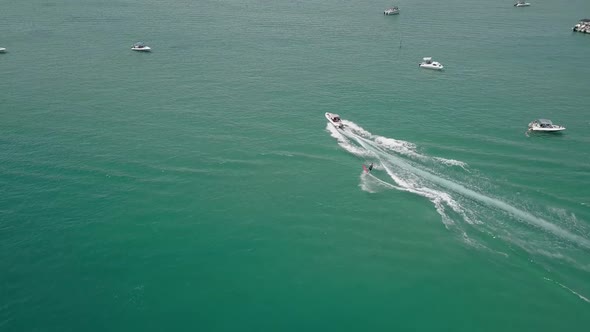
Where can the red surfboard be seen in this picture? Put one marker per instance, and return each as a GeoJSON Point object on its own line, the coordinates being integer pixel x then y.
{"type": "Point", "coordinates": [365, 168]}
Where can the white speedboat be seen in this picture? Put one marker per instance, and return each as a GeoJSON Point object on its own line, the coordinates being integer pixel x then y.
{"type": "Point", "coordinates": [335, 120]}
{"type": "Point", "coordinates": [2, 50]}
{"type": "Point", "coordinates": [583, 26]}
{"type": "Point", "coordinates": [429, 64]}
{"type": "Point", "coordinates": [391, 11]}
{"type": "Point", "coordinates": [141, 47]}
{"type": "Point", "coordinates": [522, 4]}
{"type": "Point", "coordinates": [545, 125]}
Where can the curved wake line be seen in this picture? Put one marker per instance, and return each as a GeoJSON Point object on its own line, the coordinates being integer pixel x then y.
{"type": "Point", "coordinates": [582, 297]}
{"type": "Point", "coordinates": [552, 236]}
{"type": "Point", "coordinates": [399, 146]}
{"type": "Point", "coordinates": [385, 183]}
{"type": "Point", "coordinates": [436, 197]}
{"type": "Point", "coordinates": [523, 215]}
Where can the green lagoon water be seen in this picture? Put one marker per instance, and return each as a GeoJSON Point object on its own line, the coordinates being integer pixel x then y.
{"type": "Point", "coordinates": [199, 187]}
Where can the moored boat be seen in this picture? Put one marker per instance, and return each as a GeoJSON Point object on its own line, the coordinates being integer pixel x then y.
{"type": "Point", "coordinates": [521, 4]}
{"type": "Point", "coordinates": [545, 126]}
{"type": "Point", "coordinates": [429, 64]}
{"type": "Point", "coordinates": [391, 11]}
{"type": "Point", "coordinates": [141, 47]}
{"type": "Point", "coordinates": [583, 26]}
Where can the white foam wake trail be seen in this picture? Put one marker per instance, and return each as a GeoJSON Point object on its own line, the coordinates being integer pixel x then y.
{"type": "Point", "coordinates": [344, 142]}
{"type": "Point", "coordinates": [380, 147]}
{"type": "Point", "coordinates": [520, 214]}
{"type": "Point", "coordinates": [451, 162]}
{"type": "Point", "coordinates": [398, 146]}
{"type": "Point", "coordinates": [438, 198]}
{"type": "Point", "coordinates": [368, 179]}
{"type": "Point", "coordinates": [552, 241]}
{"type": "Point", "coordinates": [582, 297]}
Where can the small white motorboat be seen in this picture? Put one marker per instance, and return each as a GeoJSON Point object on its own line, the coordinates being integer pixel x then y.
{"type": "Point", "coordinates": [2, 50]}
{"type": "Point", "coordinates": [521, 4]}
{"type": "Point", "coordinates": [545, 125]}
{"type": "Point", "coordinates": [429, 64]}
{"type": "Point", "coordinates": [391, 11]}
{"type": "Point", "coordinates": [583, 26]}
{"type": "Point", "coordinates": [335, 120]}
{"type": "Point", "coordinates": [141, 47]}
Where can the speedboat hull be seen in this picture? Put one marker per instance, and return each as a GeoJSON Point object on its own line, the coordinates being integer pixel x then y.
{"type": "Point", "coordinates": [2, 50]}
{"type": "Point", "coordinates": [525, 4]}
{"type": "Point", "coordinates": [433, 66]}
{"type": "Point", "coordinates": [544, 125]}
{"type": "Point", "coordinates": [547, 130]}
{"type": "Point", "coordinates": [391, 12]}
{"type": "Point", "coordinates": [334, 119]}
{"type": "Point", "coordinates": [142, 49]}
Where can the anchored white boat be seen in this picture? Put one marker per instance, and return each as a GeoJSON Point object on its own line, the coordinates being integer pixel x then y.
{"type": "Point", "coordinates": [545, 125]}
{"type": "Point", "coordinates": [391, 11]}
{"type": "Point", "coordinates": [521, 4]}
{"type": "Point", "coordinates": [429, 64]}
{"type": "Point", "coordinates": [583, 26]}
{"type": "Point", "coordinates": [141, 47]}
{"type": "Point", "coordinates": [335, 120]}
{"type": "Point", "coordinates": [2, 50]}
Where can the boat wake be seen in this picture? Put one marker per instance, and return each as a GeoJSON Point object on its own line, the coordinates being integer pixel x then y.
{"type": "Point", "coordinates": [504, 226]}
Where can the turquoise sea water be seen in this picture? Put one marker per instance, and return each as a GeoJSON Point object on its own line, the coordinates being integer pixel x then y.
{"type": "Point", "coordinates": [199, 187]}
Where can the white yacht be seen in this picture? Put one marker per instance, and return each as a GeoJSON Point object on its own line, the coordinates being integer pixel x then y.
{"type": "Point", "coordinates": [545, 125]}
{"type": "Point", "coordinates": [2, 50]}
{"type": "Point", "coordinates": [391, 11]}
{"type": "Point", "coordinates": [429, 64]}
{"type": "Point", "coordinates": [521, 4]}
{"type": "Point", "coordinates": [583, 26]}
{"type": "Point", "coordinates": [141, 47]}
{"type": "Point", "coordinates": [335, 120]}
